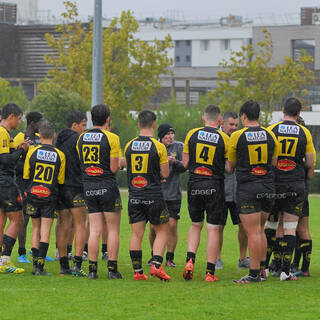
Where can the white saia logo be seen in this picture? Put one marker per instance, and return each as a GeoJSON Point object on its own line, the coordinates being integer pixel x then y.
{"type": "Point", "coordinates": [208, 136]}
{"type": "Point", "coordinates": [50, 156]}
{"type": "Point", "coordinates": [92, 137]}
{"type": "Point", "coordinates": [141, 145]}
{"type": "Point", "coordinates": [256, 136]}
{"type": "Point", "coordinates": [289, 129]}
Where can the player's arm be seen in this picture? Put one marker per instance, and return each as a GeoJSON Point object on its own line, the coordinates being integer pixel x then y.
{"type": "Point", "coordinates": [7, 158]}
{"type": "Point", "coordinates": [310, 154]}
{"type": "Point", "coordinates": [232, 152]}
{"type": "Point", "coordinates": [185, 155]}
{"type": "Point", "coordinates": [163, 159]}
{"type": "Point", "coordinates": [62, 169]}
{"type": "Point", "coordinates": [114, 153]}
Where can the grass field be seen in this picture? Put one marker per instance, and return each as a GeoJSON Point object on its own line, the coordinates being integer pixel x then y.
{"type": "Point", "coordinates": [28, 297]}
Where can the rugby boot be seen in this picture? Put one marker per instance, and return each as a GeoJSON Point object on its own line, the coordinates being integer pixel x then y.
{"type": "Point", "coordinates": [114, 275]}
{"type": "Point", "coordinates": [170, 263]}
{"type": "Point", "coordinates": [188, 270]}
{"type": "Point", "coordinates": [301, 273]}
{"type": "Point", "coordinates": [79, 272]}
{"type": "Point", "coordinates": [23, 259]}
{"type": "Point", "coordinates": [287, 277]}
{"type": "Point", "coordinates": [247, 279]}
{"type": "Point", "coordinates": [105, 256]}
{"type": "Point", "coordinates": [211, 277]}
{"type": "Point", "coordinates": [92, 275]}
{"type": "Point", "coordinates": [140, 276]}
{"type": "Point", "coordinates": [159, 273]}
{"type": "Point", "coordinates": [67, 272]}
{"type": "Point", "coordinates": [42, 273]}
{"type": "Point", "coordinates": [9, 267]}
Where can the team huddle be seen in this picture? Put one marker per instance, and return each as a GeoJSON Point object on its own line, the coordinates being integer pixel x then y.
{"type": "Point", "coordinates": [73, 177]}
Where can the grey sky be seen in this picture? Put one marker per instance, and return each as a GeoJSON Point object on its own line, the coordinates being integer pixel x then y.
{"type": "Point", "coordinates": [191, 9]}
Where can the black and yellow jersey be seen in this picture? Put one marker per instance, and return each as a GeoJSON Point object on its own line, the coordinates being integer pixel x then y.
{"type": "Point", "coordinates": [18, 139]}
{"type": "Point", "coordinates": [252, 149]}
{"type": "Point", "coordinates": [207, 148]}
{"type": "Point", "coordinates": [294, 142]}
{"type": "Point", "coordinates": [44, 170]}
{"type": "Point", "coordinates": [8, 155]}
{"type": "Point", "coordinates": [144, 155]}
{"type": "Point", "coordinates": [95, 148]}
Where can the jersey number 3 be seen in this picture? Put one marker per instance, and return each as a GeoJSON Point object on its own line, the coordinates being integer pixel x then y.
{"type": "Point", "coordinates": [139, 163]}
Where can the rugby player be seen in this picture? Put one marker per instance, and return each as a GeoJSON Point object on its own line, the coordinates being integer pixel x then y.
{"type": "Point", "coordinates": [34, 119]}
{"type": "Point", "coordinates": [204, 154]}
{"type": "Point", "coordinates": [230, 123]}
{"type": "Point", "coordinates": [10, 197]}
{"type": "Point", "coordinates": [253, 151]}
{"type": "Point", "coordinates": [72, 200]}
{"type": "Point", "coordinates": [303, 241]}
{"type": "Point", "coordinates": [147, 164]}
{"type": "Point", "coordinates": [296, 151]}
{"type": "Point", "coordinates": [171, 189]}
{"type": "Point", "coordinates": [44, 172]}
{"type": "Point", "coordinates": [98, 150]}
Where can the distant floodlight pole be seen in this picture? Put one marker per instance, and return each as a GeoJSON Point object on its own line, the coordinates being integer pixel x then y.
{"type": "Point", "coordinates": [97, 54]}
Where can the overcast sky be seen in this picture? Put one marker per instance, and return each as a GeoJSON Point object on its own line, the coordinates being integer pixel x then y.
{"type": "Point", "coordinates": [191, 9]}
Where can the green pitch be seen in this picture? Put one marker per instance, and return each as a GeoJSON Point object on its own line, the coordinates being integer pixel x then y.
{"type": "Point", "coordinates": [28, 297]}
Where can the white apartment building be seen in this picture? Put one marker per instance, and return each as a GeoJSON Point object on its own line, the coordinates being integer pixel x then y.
{"type": "Point", "coordinates": [199, 44]}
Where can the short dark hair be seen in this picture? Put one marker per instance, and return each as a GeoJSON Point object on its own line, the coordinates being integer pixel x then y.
{"type": "Point", "coordinates": [99, 114]}
{"type": "Point", "coordinates": [146, 118]}
{"type": "Point", "coordinates": [212, 112]}
{"type": "Point", "coordinates": [46, 130]}
{"type": "Point", "coordinates": [229, 114]}
{"type": "Point", "coordinates": [11, 108]}
{"type": "Point", "coordinates": [75, 116]}
{"type": "Point", "coordinates": [33, 116]}
{"type": "Point", "coordinates": [292, 107]}
{"type": "Point", "coordinates": [251, 109]}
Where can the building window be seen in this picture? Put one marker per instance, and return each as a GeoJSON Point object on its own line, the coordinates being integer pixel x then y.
{"type": "Point", "coordinates": [177, 59]}
{"type": "Point", "coordinates": [307, 45]}
{"type": "Point", "coordinates": [188, 58]}
{"type": "Point", "coordinates": [177, 43]}
{"type": "Point", "coordinates": [205, 45]}
{"type": "Point", "coordinates": [188, 43]}
{"type": "Point", "coordinates": [226, 44]}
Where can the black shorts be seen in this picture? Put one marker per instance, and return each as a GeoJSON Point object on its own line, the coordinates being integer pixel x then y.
{"type": "Point", "coordinates": [41, 211]}
{"type": "Point", "coordinates": [305, 209]}
{"type": "Point", "coordinates": [255, 197]}
{"type": "Point", "coordinates": [71, 198]}
{"type": "Point", "coordinates": [102, 197]}
{"type": "Point", "coordinates": [230, 206]}
{"type": "Point", "coordinates": [206, 196]}
{"type": "Point", "coordinates": [290, 197]}
{"type": "Point", "coordinates": [174, 207]}
{"type": "Point", "coordinates": [10, 198]}
{"type": "Point", "coordinates": [154, 211]}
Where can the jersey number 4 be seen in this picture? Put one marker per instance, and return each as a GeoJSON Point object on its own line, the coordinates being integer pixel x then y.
{"type": "Point", "coordinates": [205, 153]}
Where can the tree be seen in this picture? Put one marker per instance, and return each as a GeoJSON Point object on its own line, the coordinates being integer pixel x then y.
{"type": "Point", "coordinates": [131, 67]}
{"type": "Point", "coordinates": [12, 94]}
{"type": "Point", "coordinates": [55, 102]}
{"type": "Point", "coordinates": [248, 75]}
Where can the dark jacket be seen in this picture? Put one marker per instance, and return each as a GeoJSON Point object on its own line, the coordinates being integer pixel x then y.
{"type": "Point", "coordinates": [66, 142]}
{"type": "Point", "coordinates": [172, 188]}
